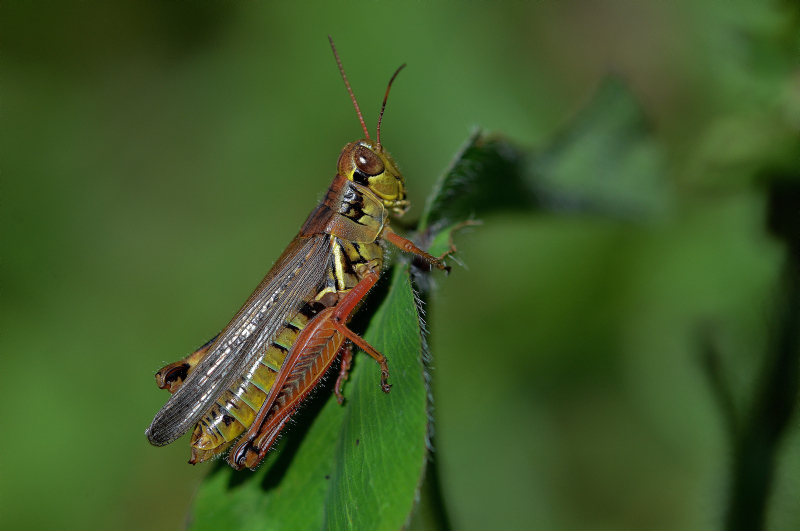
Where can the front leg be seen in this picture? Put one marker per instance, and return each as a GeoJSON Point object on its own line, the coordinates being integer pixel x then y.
{"type": "Point", "coordinates": [408, 246]}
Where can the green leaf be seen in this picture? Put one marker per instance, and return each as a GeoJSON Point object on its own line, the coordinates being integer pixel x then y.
{"type": "Point", "coordinates": [606, 161]}
{"type": "Point", "coordinates": [377, 480]}
{"type": "Point", "coordinates": [485, 175]}
{"type": "Point", "coordinates": [357, 465]}
{"type": "Point", "coordinates": [360, 465]}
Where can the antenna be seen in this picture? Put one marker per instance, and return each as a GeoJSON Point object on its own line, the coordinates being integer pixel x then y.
{"type": "Point", "coordinates": [350, 90]}
{"type": "Point", "coordinates": [386, 97]}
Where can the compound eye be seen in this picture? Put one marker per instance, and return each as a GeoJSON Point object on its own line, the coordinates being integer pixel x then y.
{"type": "Point", "coordinates": [367, 162]}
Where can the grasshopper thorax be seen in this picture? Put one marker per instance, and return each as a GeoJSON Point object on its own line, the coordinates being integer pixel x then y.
{"type": "Point", "coordinates": [366, 163]}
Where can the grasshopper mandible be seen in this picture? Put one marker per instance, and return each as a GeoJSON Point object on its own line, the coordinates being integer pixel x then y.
{"type": "Point", "coordinates": [242, 386]}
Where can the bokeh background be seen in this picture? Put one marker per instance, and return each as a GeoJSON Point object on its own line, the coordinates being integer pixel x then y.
{"type": "Point", "coordinates": [157, 157]}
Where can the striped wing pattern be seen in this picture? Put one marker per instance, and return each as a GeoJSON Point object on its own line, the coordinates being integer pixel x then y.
{"type": "Point", "coordinates": [292, 281]}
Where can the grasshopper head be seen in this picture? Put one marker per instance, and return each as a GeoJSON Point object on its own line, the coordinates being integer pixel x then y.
{"type": "Point", "coordinates": [368, 164]}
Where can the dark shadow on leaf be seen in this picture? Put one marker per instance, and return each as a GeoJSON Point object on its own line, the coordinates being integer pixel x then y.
{"type": "Point", "coordinates": [374, 299]}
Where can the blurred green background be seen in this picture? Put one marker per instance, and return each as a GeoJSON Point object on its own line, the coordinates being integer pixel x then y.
{"type": "Point", "coordinates": [157, 157]}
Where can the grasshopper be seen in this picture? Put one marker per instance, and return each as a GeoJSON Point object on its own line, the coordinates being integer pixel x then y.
{"type": "Point", "coordinates": [240, 389]}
